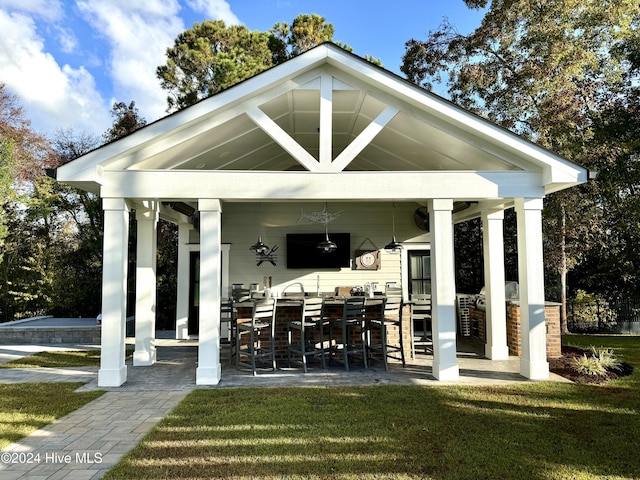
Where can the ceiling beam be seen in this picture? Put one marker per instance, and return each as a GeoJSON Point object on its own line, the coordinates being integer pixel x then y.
{"type": "Point", "coordinates": [363, 139]}
{"type": "Point", "coordinates": [283, 139]}
{"type": "Point", "coordinates": [326, 121]}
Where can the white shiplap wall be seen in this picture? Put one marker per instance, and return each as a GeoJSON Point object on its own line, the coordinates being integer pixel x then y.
{"type": "Point", "coordinates": [361, 220]}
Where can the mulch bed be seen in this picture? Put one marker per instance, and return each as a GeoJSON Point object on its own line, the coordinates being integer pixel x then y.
{"type": "Point", "coordinates": [563, 366]}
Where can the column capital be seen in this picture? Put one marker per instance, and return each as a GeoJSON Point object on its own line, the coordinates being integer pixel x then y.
{"type": "Point", "coordinates": [115, 204]}
{"type": "Point", "coordinates": [528, 203]}
{"type": "Point", "coordinates": [441, 204]}
{"type": "Point", "coordinates": [492, 214]}
{"type": "Point", "coordinates": [148, 210]}
{"type": "Point", "coordinates": [209, 205]}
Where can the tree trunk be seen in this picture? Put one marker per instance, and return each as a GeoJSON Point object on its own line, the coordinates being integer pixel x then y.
{"type": "Point", "coordinates": [563, 276]}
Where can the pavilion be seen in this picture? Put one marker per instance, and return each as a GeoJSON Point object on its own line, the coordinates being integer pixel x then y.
{"type": "Point", "coordinates": [324, 128]}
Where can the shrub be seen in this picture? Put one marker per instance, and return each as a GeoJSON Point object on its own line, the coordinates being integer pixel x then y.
{"type": "Point", "coordinates": [606, 358]}
{"type": "Point", "coordinates": [598, 363]}
{"type": "Point", "coordinates": [589, 366]}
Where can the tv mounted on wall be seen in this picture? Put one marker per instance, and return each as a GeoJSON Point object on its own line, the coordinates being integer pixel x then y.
{"type": "Point", "coordinates": [303, 251]}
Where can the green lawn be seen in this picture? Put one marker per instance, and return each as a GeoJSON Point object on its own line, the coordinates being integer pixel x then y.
{"type": "Point", "coordinates": [26, 407]}
{"type": "Point", "coordinates": [535, 431]}
{"type": "Point", "coordinates": [60, 359]}
{"type": "Point", "coordinates": [57, 359]}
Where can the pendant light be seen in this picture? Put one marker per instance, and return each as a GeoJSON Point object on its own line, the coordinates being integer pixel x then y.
{"type": "Point", "coordinates": [259, 247]}
{"type": "Point", "coordinates": [326, 246]}
{"type": "Point", "coordinates": [393, 245]}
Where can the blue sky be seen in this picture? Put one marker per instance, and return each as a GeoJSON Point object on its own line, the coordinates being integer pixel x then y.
{"type": "Point", "coordinates": [69, 60]}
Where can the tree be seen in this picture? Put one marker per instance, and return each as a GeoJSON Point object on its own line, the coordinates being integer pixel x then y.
{"type": "Point", "coordinates": [6, 190]}
{"type": "Point", "coordinates": [79, 265]}
{"type": "Point", "coordinates": [613, 266]}
{"type": "Point", "coordinates": [24, 154]}
{"type": "Point", "coordinates": [210, 57]}
{"type": "Point", "coordinates": [306, 32]}
{"type": "Point", "coordinates": [539, 69]}
{"type": "Point", "coordinates": [126, 120]}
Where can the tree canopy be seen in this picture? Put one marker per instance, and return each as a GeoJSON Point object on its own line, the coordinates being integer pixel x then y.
{"type": "Point", "coordinates": [557, 73]}
{"type": "Point", "coordinates": [212, 56]}
{"type": "Point", "coordinates": [536, 68]}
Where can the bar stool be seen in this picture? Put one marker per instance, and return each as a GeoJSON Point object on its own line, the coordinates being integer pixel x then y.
{"type": "Point", "coordinates": [421, 312]}
{"type": "Point", "coordinates": [391, 316]}
{"type": "Point", "coordinates": [263, 320]}
{"type": "Point", "coordinates": [353, 317]}
{"type": "Point", "coordinates": [312, 320]}
{"type": "Point", "coordinates": [228, 320]}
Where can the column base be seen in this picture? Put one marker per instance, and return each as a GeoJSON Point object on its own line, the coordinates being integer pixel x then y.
{"type": "Point", "coordinates": [112, 377]}
{"type": "Point", "coordinates": [208, 375]}
{"type": "Point", "coordinates": [446, 372]}
{"type": "Point", "coordinates": [182, 331]}
{"type": "Point", "coordinates": [534, 370]}
{"type": "Point", "coordinates": [494, 352]}
{"type": "Point", "coordinates": [142, 358]}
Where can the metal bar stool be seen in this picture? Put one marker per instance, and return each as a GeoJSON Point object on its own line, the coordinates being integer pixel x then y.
{"type": "Point", "coordinates": [308, 345]}
{"type": "Point", "coordinates": [353, 317]}
{"type": "Point", "coordinates": [263, 319]}
{"type": "Point", "coordinates": [227, 319]}
{"type": "Point", "coordinates": [391, 316]}
{"type": "Point", "coordinates": [421, 312]}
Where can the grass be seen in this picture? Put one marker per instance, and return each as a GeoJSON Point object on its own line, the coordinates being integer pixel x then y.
{"type": "Point", "coordinates": [57, 359]}
{"type": "Point", "coordinates": [540, 431]}
{"type": "Point", "coordinates": [60, 359]}
{"type": "Point", "coordinates": [26, 407]}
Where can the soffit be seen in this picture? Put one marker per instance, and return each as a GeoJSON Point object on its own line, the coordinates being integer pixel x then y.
{"type": "Point", "coordinates": [409, 141]}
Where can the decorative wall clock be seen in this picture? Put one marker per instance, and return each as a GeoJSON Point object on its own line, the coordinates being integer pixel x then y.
{"type": "Point", "coordinates": [367, 258]}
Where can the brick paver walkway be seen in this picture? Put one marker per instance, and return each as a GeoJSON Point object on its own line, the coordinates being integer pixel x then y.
{"type": "Point", "coordinates": [88, 442]}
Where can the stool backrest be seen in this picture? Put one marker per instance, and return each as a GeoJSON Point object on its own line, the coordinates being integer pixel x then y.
{"type": "Point", "coordinates": [421, 307]}
{"type": "Point", "coordinates": [264, 309]}
{"type": "Point", "coordinates": [393, 306]}
{"type": "Point", "coordinates": [226, 309]}
{"type": "Point", "coordinates": [313, 307]}
{"type": "Point", "coordinates": [353, 308]}
{"type": "Point", "coordinates": [241, 294]}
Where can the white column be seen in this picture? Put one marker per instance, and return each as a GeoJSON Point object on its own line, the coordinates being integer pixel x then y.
{"type": "Point", "coordinates": [443, 291]}
{"type": "Point", "coordinates": [533, 363]}
{"type": "Point", "coordinates": [496, 315]}
{"type": "Point", "coordinates": [147, 241]}
{"type": "Point", "coordinates": [209, 370]}
{"type": "Point", "coordinates": [182, 297]}
{"type": "Point", "coordinates": [113, 371]}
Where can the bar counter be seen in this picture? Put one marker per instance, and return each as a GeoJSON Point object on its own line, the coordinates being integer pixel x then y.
{"type": "Point", "coordinates": [289, 309]}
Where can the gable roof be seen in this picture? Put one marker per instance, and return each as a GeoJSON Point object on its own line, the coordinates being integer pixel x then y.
{"type": "Point", "coordinates": [326, 111]}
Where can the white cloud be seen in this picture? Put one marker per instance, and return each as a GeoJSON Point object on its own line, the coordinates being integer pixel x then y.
{"type": "Point", "coordinates": [53, 96]}
{"type": "Point", "coordinates": [139, 34]}
{"type": "Point", "coordinates": [66, 38]}
{"type": "Point", "coordinates": [216, 9]}
{"type": "Point", "coordinates": [47, 9]}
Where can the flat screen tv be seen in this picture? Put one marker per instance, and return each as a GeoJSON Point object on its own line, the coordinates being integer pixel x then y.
{"type": "Point", "coordinates": [303, 251]}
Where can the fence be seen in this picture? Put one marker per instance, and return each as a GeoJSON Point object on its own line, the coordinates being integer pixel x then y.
{"type": "Point", "coordinates": [620, 315]}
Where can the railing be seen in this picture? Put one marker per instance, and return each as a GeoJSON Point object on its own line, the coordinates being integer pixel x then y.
{"type": "Point", "coordinates": [620, 315]}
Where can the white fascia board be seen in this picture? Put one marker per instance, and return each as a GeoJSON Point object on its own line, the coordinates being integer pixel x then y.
{"type": "Point", "coordinates": [319, 186]}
